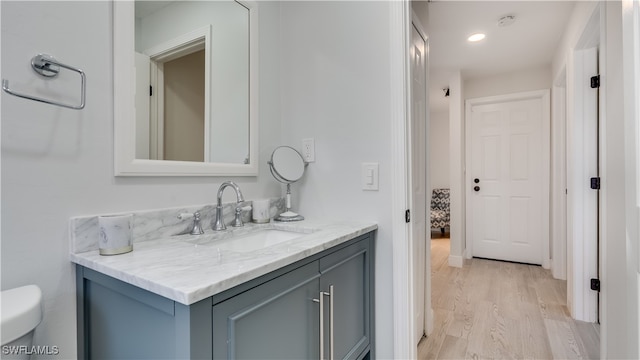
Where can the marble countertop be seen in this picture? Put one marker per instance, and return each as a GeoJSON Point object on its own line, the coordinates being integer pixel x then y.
{"type": "Point", "coordinates": [188, 268]}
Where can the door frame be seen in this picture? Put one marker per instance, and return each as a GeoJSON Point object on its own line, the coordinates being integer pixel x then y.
{"type": "Point", "coordinates": [400, 93]}
{"type": "Point", "coordinates": [631, 111]}
{"type": "Point", "coordinates": [544, 96]}
{"type": "Point", "coordinates": [558, 214]}
{"type": "Point", "coordinates": [198, 39]}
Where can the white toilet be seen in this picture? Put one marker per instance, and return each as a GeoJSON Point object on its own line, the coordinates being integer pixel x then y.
{"type": "Point", "coordinates": [21, 313]}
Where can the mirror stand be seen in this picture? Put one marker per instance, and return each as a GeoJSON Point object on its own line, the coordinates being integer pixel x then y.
{"type": "Point", "coordinates": [289, 215]}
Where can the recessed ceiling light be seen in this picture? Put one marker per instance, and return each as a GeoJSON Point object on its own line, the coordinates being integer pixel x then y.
{"type": "Point", "coordinates": [476, 37]}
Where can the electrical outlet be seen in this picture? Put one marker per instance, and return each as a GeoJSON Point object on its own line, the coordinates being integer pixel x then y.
{"type": "Point", "coordinates": [308, 150]}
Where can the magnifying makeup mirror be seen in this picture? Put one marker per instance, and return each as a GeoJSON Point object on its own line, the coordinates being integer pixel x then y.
{"type": "Point", "coordinates": [287, 166]}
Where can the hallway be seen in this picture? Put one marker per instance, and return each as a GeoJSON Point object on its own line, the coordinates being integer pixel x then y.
{"type": "Point", "coordinates": [492, 309]}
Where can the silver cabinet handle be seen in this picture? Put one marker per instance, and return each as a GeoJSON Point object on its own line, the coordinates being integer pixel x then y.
{"type": "Point", "coordinates": [321, 301]}
{"type": "Point", "coordinates": [331, 294]}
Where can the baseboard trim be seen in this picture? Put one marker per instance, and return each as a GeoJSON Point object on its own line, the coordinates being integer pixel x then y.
{"type": "Point", "coordinates": [546, 264]}
{"type": "Point", "coordinates": [430, 322]}
{"type": "Point", "coordinates": [456, 261]}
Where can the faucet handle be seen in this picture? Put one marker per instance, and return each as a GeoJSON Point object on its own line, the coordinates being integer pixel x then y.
{"type": "Point", "coordinates": [197, 227]}
{"type": "Point", "coordinates": [238, 220]}
{"type": "Point", "coordinates": [183, 216]}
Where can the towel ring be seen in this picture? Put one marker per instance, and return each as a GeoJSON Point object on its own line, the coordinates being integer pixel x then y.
{"type": "Point", "coordinates": [48, 66]}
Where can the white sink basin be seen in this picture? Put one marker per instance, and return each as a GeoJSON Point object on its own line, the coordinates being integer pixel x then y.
{"type": "Point", "coordinates": [256, 240]}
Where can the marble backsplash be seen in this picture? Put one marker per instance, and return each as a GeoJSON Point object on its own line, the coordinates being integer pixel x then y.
{"type": "Point", "coordinates": [159, 223]}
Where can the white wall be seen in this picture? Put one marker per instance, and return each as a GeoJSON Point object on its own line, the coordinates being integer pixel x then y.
{"type": "Point", "coordinates": [525, 80]}
{"type": "Point", "coordinates": [58, 163]}
{"type": "Point", "coordinates": [333, 56]}
{"type": "Point", "coordinates": [620, 285]}
{"type": "Point", "coordinates": [631, 79]}
{"type": "Point", "coordinates": [439, 149]}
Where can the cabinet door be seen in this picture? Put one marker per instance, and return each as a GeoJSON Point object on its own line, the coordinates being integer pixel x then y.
{"type": "Point", "coordinates": [276, 320]}
{"type": "Point", "coordinates": [345, 274]}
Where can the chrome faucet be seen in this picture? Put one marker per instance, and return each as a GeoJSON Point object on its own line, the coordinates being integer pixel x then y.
{"type": "Point", "coordinates": [219, 223]}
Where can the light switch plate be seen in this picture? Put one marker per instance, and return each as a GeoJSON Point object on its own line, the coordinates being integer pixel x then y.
{"type": "Point", "coordinates": [370, 176]}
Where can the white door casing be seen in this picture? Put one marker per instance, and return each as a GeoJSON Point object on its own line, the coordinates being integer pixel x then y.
{"type": "Point", "coordinates": [418, 58]}
{"type": "Point", "coordinates": [400, 86]}
{"type": "Point", "coordinates": [196, 40]}
{"type": "Point", "coordinates": [558, 214]}
{"type": "Point", "coordinates": [631, 63]}
{"type": "Point", "coordinates": [143, 73]}
{"type": "Point", "coordinates": [508, 152]}
{"type": "Point", "coordinates": [459, 247]}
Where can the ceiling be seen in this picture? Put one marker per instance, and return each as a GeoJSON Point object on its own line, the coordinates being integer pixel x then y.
{"type": "Point", "coordinates": [530, 42]}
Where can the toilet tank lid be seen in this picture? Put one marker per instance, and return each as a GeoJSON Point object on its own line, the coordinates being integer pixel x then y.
{"type": "Point", "coordinates": [21, 311]}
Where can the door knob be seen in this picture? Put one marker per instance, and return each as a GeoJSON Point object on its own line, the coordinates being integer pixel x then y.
{"type": "Point", "coordinates": [476, 188]}
{"type": "Point", "coordinates": [476, 180]}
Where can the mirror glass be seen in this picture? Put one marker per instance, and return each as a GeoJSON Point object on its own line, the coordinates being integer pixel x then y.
{"type": "Point", "coordinates": [287, 164]}
{"type": "Point", "coordinates": [185, 88]}
{"type": "Point", "coordinates": [193, 57]}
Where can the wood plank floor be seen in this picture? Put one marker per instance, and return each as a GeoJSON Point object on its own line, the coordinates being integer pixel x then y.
{"type": "Point", "coordinates": [500, 310]}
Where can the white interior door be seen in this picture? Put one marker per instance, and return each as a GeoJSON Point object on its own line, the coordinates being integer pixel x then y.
{"type": "Point", "coordinates": [418, 177]}
{"type": "Point", "coordinates": [582, 212]}
{"type": "Point", "coordinates": [507, 170]}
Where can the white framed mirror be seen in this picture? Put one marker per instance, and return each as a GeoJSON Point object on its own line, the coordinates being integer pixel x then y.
{"type": "Point", "coordinates": [206, 123]}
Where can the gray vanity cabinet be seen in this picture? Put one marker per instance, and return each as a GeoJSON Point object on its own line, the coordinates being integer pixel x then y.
{"type": "Point", "coordinates": [276, 316]}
